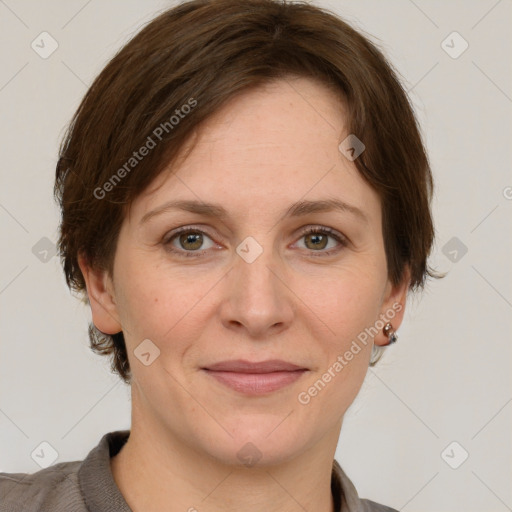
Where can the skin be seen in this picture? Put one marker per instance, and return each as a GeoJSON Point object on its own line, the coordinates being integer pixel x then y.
{"type": "Point", "coordinates": [265, 150]}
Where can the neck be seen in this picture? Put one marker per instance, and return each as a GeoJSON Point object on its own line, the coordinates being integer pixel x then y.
{"type": "Point", "coordinates": [157, 471]}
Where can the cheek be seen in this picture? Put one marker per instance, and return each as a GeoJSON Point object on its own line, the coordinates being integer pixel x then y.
{"type": "Point", "coordinates": [349, 307]}
{"type": "Point", "coordinates": [161, 306]}
{"type": "Point", "coordinates": [349, 302]}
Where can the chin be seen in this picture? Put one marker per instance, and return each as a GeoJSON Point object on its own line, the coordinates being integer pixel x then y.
{"type": "Point", "coordinates": [259, 440]}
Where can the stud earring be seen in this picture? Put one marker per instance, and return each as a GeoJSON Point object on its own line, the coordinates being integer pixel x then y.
{"type": "Point", "coordinates": [390, 333]}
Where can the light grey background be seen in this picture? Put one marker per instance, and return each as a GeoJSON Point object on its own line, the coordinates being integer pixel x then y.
{"type": "Point", "coordinates": [448, 378]}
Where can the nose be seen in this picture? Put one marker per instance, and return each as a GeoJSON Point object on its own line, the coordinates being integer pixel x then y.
{"type": "Point", "coordinates": [258, 301]}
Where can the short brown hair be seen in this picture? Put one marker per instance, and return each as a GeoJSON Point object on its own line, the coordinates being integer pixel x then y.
{"type": "Point", "coordinates": [200, 54]}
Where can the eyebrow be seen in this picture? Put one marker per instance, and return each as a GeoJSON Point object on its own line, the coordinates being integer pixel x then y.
{"type": "Point", "coordinates": [298, 209]}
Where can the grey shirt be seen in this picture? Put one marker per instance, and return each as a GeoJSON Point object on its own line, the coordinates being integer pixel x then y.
{"type": "Point", "coordinates": [89, 486]}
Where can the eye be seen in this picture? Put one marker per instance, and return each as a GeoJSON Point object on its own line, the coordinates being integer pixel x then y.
{"type": "Point", "coordinates": [317, 239]}
{"type": "Point", "coordinates": [188, 241]}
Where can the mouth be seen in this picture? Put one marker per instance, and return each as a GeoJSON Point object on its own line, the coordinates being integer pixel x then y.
{"type": "Point", "coordinates": [255, 378]}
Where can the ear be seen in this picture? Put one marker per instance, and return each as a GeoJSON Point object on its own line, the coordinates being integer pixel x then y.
{"type": "Point", "coordinates": [393, 305]}
{"type": "Point", "coordinates": [100, 290]}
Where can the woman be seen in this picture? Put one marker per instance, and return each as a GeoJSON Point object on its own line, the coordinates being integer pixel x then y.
{"type": "Point", "coordinates": [245, 205]}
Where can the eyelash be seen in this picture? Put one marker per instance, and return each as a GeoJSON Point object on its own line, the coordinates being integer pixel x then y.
{"type": "Point", "coordinates": [308, 231]}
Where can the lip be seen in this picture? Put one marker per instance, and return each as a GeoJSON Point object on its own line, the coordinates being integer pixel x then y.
{"type": "Point", "coordinates": [243, 366]}
{"type": "Point", "coordinates": [255, 378]}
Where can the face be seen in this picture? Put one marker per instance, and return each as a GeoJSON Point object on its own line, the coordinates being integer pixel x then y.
{"type": "Point", "coordinates": [253, 284]}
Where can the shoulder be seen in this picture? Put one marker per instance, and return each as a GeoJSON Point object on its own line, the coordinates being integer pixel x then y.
{"type": "Point", "coordinates": [53, 489]}
{"type": "Point", "coordinates": [371, 506]}
{"type": "Point", "coordinates": [67, 486]}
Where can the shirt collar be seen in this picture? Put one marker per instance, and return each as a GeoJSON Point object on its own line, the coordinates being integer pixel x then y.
{"type": "Point", "coordinates": [97, 483]}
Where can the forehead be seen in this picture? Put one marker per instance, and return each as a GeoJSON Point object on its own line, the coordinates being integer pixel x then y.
{"type": "Point", "coordinates": [274, 144]}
